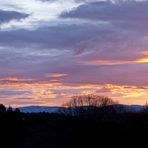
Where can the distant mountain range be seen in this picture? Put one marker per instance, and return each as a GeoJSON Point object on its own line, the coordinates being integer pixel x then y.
{"type": "Point", "coordinates": [130, 108]}
{"type": "Point", "coordinates": [37, 109]}
{"type": "Point", "coordinates": [53, 109]}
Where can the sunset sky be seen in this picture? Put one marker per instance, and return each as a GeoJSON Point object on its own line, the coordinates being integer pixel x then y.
{"type": "Point", "coordinates": [51, 50]}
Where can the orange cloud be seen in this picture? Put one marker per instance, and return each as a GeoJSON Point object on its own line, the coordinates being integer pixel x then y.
{"type": "Point", "coordinates": [15, 79]}
{"type": "Point", "coordinates": [142, 60]}
{"type": "Point", "coordinates": [56, 75]}
{"type": "Point", "coordinates": [56, 93]}
{"type": "Point", "coordinates": [104, 62]}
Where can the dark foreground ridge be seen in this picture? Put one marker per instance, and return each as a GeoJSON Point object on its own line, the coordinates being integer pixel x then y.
{"type": "Point", "coordinates": [98, 127]}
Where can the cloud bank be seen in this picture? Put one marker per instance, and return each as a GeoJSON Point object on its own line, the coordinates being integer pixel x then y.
{"type": "Point", "coordinates": [60, 48]}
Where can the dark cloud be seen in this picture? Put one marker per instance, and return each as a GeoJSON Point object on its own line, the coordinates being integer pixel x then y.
{"type": "Point", "coordinates": [108, 11]}
{"type": "Point", "coordinates": [127, 14]}
{"type": "Point", "coordinates": [6, 16]}
{"type": "Point", "coordinates": [49, 37]}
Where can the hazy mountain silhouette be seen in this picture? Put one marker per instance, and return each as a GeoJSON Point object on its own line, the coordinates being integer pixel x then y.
{"type": "Point", "coordinates": [55, 109]}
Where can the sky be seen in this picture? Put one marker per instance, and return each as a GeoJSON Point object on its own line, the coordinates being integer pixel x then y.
{"type": "Point", "coordinates": [51, 50]}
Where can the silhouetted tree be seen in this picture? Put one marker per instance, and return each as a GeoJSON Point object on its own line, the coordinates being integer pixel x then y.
{"type": "Point", "coordinates": [83, 104]}
{"type": "Point", "coordinates": [2, 108]}
{"type": "Point", "coordinates": [90, 100]}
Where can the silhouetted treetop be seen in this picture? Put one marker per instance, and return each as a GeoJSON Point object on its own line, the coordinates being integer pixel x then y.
{"type": "Point", "coordinates": [90, 100]}
{"type": "Point", "coordinates": [10, 109]}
